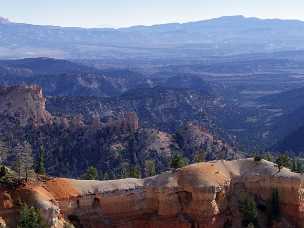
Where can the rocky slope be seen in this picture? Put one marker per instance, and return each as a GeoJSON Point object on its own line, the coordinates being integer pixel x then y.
{"type": "Point", "coordinates": [111, 140]}
{"type": "Point", "coordinates": [199, 195]}
{"type": "Point", "coordinates": [163, 108]}
{"type": "Point", "coordinates": [196, 140]}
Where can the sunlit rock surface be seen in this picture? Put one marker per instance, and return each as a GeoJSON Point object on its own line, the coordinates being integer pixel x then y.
{"type": "Point", "coordinates": [199, 195]}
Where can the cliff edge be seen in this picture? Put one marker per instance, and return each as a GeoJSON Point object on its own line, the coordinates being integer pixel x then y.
{"type": "Point", "coordinates": [199, 195]}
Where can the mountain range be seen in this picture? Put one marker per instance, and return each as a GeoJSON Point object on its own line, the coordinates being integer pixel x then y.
{"type": "Point", "coordinates": [219, 36]}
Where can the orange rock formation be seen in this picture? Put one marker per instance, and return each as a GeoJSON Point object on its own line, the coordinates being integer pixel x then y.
{"type": "Point", "coordinates": [199, 195]}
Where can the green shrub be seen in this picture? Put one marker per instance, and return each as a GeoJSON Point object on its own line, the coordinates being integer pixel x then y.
{"type": "Point", "coordinates": [135, 172]}
{"type": "Point", "coordinates": [178, 161]}
{"type": "Point", "coordinates": [248, 209]}
{"type": "Point", "coordinates": [30, 218]}
{"type": "Point", "coordinates": [282, 161]}
{"type": "Point", "coordinates": [150, 168]}
{"type": "Point", "coordinates": [91, 173]}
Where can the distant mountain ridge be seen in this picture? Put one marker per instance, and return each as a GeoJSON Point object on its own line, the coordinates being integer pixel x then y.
{"type": "Point", "coordinates": [61, 77]}
{"type": "Point", "coordinates": [45, 65]}
{"type": "Point", "coordinates": [4, 20]}
{"type": "Point", "coordinates": [228, 20]}
{"type": "Point", "coordinates": [224, 35]}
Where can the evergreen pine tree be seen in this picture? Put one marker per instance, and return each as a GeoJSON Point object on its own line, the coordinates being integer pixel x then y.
{"type": "Point", "coordinates": [28, 161]}
{"type": "Point", "coordinates": [3, 151]}
{"type": "Point", "coordinates": [124, 171]}
{"type": "Point", "coordinates": [135, 172]}
{"type": "Point", "coordinates": [41, 162]}
{"type": "Point", "coordinates": [282, 161]}
{"type": "Point", "coordinates": [24, 160]}
{"type": "Point", "coordinates": [275, 205]}
{"type": "Point", "coordinates": [178, 161]}
{"type": "Point", "coordinates": [268, 157]}
{"type": "Point", "coordinates": [199, 157]}
{"type": "Point", "coordinates": [30, 218]}
{"type": "Point", "coordinates": [294, 167]}
{"type": "Point", "coordinates": [91, 173]}
{"type": "Point", "coordinates": [150, 168]}
{"type": "Point", "coordinates": [300, 166]}
{"type": "Point", "coordinates": [248, 209]}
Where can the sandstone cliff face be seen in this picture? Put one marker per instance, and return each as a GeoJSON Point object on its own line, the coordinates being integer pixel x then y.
{"type": "Point", "coordinates": [199, 195]}
{"type": "Point", "coordinates": [24, 103]}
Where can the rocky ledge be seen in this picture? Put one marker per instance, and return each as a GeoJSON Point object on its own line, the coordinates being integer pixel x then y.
{"type": "Point", "coordinates": [199, 195]}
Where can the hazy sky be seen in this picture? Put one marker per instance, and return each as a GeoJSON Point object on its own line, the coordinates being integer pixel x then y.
{"type": "Point", "coordinates": [96, 13]}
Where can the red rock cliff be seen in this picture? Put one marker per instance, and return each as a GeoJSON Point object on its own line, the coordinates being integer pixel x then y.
{"type": "Point", "coordinates": [199, 195]}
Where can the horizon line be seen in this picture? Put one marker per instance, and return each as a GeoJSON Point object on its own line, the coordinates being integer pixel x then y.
{"type": "Point", "coordinates": [8, 21]}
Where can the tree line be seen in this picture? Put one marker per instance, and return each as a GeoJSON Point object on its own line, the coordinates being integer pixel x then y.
{"type": "Point", "coordinates": [295, 164]}
{"type": "Point", "coordinates": [24, 165]}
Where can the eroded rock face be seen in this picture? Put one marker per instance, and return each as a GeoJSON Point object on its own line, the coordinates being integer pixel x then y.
{"type": "Point", "coordinates": [23, 114]}
{"type": "Point", "coordinates": [111, 142]}
{"type": "Point", "coordinates": [24, 103]}
{"type": "Point", "coordinates": [199, 195]}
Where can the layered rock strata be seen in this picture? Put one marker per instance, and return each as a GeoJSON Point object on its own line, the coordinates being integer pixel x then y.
{"type": "Point", "coordinates": [199, 195]}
